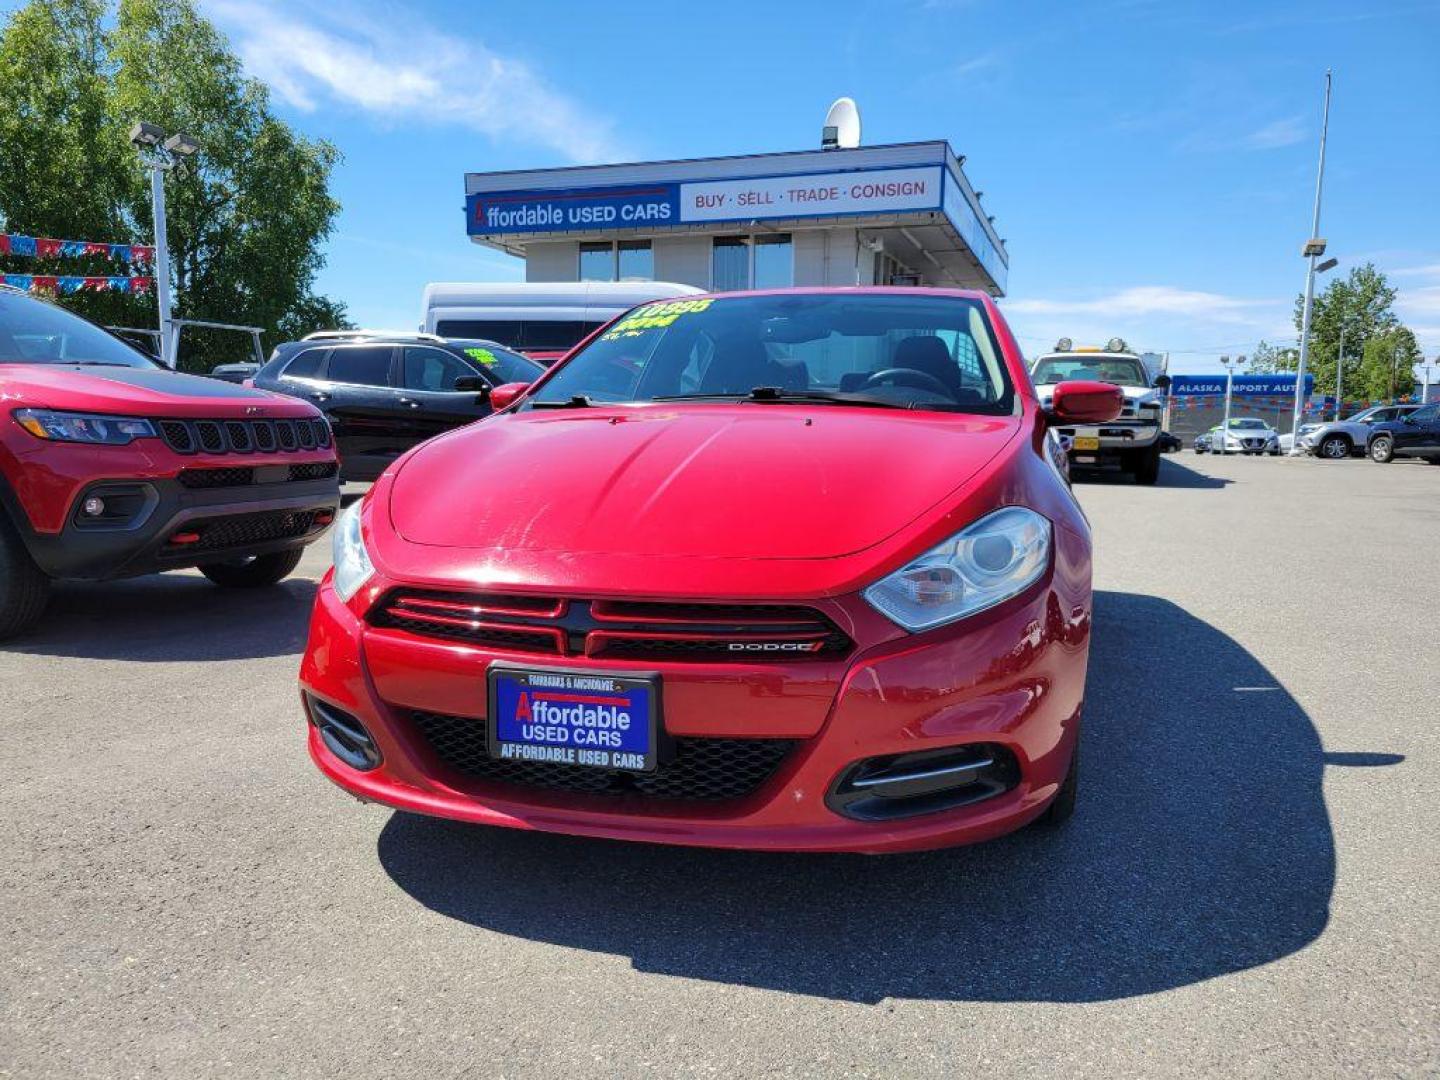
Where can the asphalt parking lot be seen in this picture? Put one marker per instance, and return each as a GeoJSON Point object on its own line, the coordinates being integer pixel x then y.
{"type": "Point", "coordinates": [1249, 886]}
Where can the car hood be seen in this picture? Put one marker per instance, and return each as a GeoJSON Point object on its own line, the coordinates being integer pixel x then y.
{"type": "Point", "coordinates": [702, 481]}
{"type": "Point", "coordinates": [138, 392]}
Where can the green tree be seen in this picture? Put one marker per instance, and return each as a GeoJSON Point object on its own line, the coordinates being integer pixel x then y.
{"type": "Point", "coordinates": [1362, 304]}
{"type": "Point", "coordinates": [1270, 359]}
{"type": "Point", "coordinates": [1386, 368]}
{"type": "Point", "coordinates": [246, 216]}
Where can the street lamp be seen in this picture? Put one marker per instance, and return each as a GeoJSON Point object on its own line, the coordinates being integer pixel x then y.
{"type": "Point", "coordinates": [1314, 248]}
{"type": "Point", "coordinates": [1229, 366]}
{"type": "Point", "coordinates": [160, 154]}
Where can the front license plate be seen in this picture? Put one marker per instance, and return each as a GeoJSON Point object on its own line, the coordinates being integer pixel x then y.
{"type": "Point", "coordinates": [1085, 443]}
{"type": "Point", "coordinates": [574, 718]}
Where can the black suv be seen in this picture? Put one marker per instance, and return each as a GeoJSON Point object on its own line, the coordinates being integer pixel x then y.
{"type": "Point", "coordinates": [1415, 434]}
{"type": "Point", "coordinates": [384, 394]}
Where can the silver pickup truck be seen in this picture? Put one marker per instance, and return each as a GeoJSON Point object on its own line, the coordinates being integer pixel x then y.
{"type": "Point", "coordinates": [1130, 442]}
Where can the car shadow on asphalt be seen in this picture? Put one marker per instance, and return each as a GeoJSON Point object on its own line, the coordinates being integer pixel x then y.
{"type": "Point", "coordinates": [169, 617]}
{"type": "Point", "coordinates": [1172, 474]}
{"type": "Point", "coordinates": [1201, 847]}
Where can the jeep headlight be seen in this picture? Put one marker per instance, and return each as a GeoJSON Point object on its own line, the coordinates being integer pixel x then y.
{"type": "Point", "coordinates": [982, 565]}
{"type": "Point", "coordinates": [83, 427]}
{"type": "Point", "coordinates": [352, 562]}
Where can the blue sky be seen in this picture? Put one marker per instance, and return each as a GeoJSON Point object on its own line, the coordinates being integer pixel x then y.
{"type": "Point", "coordinates": [1150, 163]}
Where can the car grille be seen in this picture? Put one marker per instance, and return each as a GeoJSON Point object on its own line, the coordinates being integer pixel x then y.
{"type": "Point", "coordinates": [242, 530]}
{"type": "Point", "coordinates": [700, 770]}
{"type": "Point", "coordinates": [245, 475]}
{"type": "Point", "coordinates": [1254, 444]}
{"type": "Point", "coordinates": [243, 436]}
{"type": "Point", "coordinates": [616, 629]}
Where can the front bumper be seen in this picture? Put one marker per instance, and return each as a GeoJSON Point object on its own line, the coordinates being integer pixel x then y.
{"type": "Point", "coordinates": [216, 523]}
{"type": "Point", "coordinates": [1012, 678]}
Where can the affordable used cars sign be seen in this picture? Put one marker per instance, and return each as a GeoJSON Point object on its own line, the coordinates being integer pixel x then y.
{"type": "Point", "coordinates": [505, 212]}
{"type": "Point", "coordinates": [869, 191]}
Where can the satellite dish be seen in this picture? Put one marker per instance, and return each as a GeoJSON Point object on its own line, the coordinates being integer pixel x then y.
{"type": "Point", "coordinates": [842, 126]}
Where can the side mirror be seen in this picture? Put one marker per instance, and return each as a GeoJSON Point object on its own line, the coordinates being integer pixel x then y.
{"type": "Point", "coordinates": [472, 383]}
{"type": "Point", "coordinates": [1083, 402]}
{"type": "Point", "coordinates": [1162, 381]}
{"type": "Point", "coordinates": [506, 394]}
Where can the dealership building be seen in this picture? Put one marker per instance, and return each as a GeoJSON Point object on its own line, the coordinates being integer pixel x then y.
{"type": "Point", "coordinates": [903, 214]}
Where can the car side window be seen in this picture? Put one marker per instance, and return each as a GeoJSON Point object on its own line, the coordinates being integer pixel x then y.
{"type": "Point", "coordinates": [361, 365]}
{"type": "Point", "coordinates": [306, 365]}
{"type": "Point", "coordinates": [432, 369]}
{"type": "Point", "coordinates": [1427, 415]}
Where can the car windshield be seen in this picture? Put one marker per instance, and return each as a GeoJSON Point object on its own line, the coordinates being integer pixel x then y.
{"type": "Point", "coordinates": [1249, 425]}
{"type": "Point", "coordinates": [505, 365]}
{"type": "Point", "coordinates": [1119, 370]}
{"type": "Point", "coordinates": [885, 349]}
{"type": "Point", "coordinates": [37, 332]}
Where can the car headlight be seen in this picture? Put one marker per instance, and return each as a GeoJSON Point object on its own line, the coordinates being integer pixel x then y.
{"type": "Point", "coordinates": [353, 567]}
{"type": "Point", "coordinates": [985, 563]}
{"type": "Point", "coordinates": [83, 427]}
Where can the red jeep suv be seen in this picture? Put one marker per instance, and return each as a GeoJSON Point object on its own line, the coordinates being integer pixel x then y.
{"type": "Point", "coordinates": [111, 466]}
{"type": "Point", "coordinates": [791, 570]}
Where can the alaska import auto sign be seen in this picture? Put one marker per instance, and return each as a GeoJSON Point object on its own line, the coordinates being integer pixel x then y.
{"type": "Point", "coordinates": [1242, 386]}
{"type": "Point", "coordinates": [864, 191]}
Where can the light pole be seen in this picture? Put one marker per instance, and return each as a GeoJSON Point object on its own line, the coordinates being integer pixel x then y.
{"type": "Point", "coordinates": [161, 154]}
{"type": "Point", "coordinates": [1314, 248]}
{"type": "Point", "coordinates": [1340, 375]}
{"type": "Point", "coordinates": [1229, 366]}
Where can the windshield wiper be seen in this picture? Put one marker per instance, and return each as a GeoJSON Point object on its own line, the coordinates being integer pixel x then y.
{"type": "Point", "coordinates": [575, 401]}
{"type": "Point", "coordinates": [781, 395]}
{"type": "Point", "coordinates": [833, 397]}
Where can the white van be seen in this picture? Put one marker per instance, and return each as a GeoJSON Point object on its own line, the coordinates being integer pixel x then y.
{"type": "Point", "coordinates": [540, 319]}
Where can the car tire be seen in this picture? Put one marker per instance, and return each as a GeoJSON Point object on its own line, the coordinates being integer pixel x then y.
{"type": "Point", "coordinates": [24, 588]}
{"type": "Point", "coordinates": [255, 571]}
{"type": "Point", "coordinates": [1382, 449]}
{"type": "Point", "coordinates": [1062, 807]}
{"type": "Point", "coordinates": [1147, 466]}
{"type": "Point", "coordinates": [1333, 448]}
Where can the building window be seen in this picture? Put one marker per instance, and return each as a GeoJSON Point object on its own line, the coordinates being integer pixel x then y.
{"type": "Point", "coordinates": [597, 262]}
{"type": "Point", "coordinates": [752, 262]}
{"type": "Point", "coordinates": [635, 260]}
{"type": "Point", "coordinates": [628, 260]}
{"type": "Point", "coordinates": [774, 261]}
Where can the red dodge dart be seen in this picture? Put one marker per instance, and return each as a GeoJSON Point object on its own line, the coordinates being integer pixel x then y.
{"type": "Point", "coordinates": [792, 570]}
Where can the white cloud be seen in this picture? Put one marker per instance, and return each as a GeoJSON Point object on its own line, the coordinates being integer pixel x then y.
{"type": "Point", "coordinates": [1195, 326]}
{"type": "Point", "coordinates": [405, 70]}
{"type": "Point", "coordinates": [975, 65]}
{"type": "Point", "coordinates": [1151, 300]}
{"type": "Point", "coordinates": [1276, 134]}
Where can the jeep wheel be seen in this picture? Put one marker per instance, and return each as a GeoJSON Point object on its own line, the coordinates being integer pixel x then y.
{"type": "Point", "coordinates": [254, 571]}
{"type": "Point", "coordinates": [1147, 466]}
{"type": "Point", "coordinates": [23, 587]}
{"type": "Point", "coordinates": [1382, 449]}
{"type": "Point", "coordinates": [1334, 448]}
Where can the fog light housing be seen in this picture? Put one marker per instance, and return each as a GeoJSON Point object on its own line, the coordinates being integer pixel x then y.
{"type": "Point", "coordinates": [94, 506]}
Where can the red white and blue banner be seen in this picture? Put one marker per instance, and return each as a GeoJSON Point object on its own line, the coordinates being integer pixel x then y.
{"type": "Point", "coordinates": [68, 283]}
{"type": "Point", "coordinates": [44, 247]}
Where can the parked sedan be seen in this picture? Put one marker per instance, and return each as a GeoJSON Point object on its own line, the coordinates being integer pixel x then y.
{"type": "Point", "coordinates": [790, 570]}
{"type": "Point", "coordinates": [1245, 435]}
{"type": "Point", "coordinates": [1416, 434]}
{"type": "Point", "coordinates": [386, 394]}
